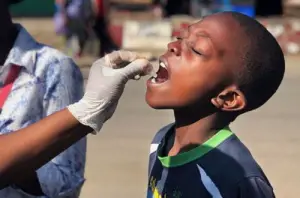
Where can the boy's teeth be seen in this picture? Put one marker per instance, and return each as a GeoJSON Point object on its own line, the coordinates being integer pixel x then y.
{"type": "Point", "coordinates": [153, 80]}
{"type": "Point", "coordinates": [153, 74]}
{"type": "Point", "coordinates": [154, 71]}
{"type": "Point", "coordinates": [162, 64]}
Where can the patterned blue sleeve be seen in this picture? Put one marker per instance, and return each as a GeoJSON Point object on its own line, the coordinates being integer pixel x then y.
{"type": "Point", "coordinates": [63, 176]}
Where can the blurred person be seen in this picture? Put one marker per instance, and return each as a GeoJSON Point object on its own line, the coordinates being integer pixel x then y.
{"type": "Point", "coordinates": [218, 69]}
{"type": "Point", "coordinates": [27, 149]}
{"type": "Point", "coordinates": [37, 81]}
{"type": "Point", "coordinates": [71, 19]}
{"type": "Point", "coordinates": [101, 26]}
{"type": "Point", "coordinates": [60, 18]}
{"type": "Point", "coordinates": [77, 20]}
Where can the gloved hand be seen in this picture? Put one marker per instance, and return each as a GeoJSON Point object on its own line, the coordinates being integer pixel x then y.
{"type": "Point", "coordinates": [105, 86]}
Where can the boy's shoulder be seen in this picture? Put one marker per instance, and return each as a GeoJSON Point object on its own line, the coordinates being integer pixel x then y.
{"type": "Point", "coordinates": [229, 167]}
{"type": "Point", "coordinates": [231, 159]}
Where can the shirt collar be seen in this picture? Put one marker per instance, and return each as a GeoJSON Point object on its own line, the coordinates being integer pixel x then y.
{"type": "Point", "coordinates": [193, 154]}
{"type": "Point", "coordinates": [23, 52]}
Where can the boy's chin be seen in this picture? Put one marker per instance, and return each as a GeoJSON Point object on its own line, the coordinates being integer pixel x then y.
{"type": "Point", "coordinates": [157, 105]}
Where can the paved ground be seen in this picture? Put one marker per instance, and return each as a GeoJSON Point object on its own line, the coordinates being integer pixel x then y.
{"type": "Point", "coordinates": [117, 157]}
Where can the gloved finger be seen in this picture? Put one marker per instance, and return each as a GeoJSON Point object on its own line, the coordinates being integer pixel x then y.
{"type": "Point", "coordinates": [137, 77]}
{"type": "Point", "coordinates": [115, 58]}
{"type": "Point", "coordinates": [138, 67]}
{"type": "Point", "coordinates": [121, 58]}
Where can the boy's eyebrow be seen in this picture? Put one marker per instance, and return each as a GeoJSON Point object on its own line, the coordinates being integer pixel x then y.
{"type": "Point", "coordinates": [203, 34]}
{"type": "Point", "coordinates": [198, 34]}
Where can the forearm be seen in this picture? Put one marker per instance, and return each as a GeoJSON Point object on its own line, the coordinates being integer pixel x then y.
{"type": "Point", "coordinates": [30, 148]}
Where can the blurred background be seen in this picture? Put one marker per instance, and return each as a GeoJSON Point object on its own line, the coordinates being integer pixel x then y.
{"type": "Point", "coordinates": [117, 158]}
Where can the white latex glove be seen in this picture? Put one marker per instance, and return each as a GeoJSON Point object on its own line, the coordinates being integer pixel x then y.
{"type": "Point", "coordinates": [105, 86]}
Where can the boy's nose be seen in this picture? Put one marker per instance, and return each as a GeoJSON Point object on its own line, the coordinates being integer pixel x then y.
{"type": "Point", "coordinates": [174, 47]}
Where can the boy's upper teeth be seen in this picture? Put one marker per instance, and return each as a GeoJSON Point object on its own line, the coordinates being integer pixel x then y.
{"type": "Point", "coordinates": [162, 64]}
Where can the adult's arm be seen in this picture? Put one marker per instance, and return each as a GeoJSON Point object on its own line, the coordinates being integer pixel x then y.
{"type": "Point", "coordinates": [26, 150]}
{"type": "Point", "coordinates": [30, 148]}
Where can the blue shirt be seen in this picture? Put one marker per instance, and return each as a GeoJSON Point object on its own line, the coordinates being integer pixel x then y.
{"type": "Point", "coordinates": [48, 82]}
{"type": "Point", "coordinates": [222, 167]}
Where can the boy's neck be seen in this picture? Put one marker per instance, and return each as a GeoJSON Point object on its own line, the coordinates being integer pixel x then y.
{"type": "Point", "coordinates": [193, 129]}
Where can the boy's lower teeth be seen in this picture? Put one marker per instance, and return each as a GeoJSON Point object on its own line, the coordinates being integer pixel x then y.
{"type": "Point", "coordinates": [158, 80]}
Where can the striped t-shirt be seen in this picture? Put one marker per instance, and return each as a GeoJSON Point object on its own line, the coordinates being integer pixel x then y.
{"type": "Point", "coordinates": [222, 167]}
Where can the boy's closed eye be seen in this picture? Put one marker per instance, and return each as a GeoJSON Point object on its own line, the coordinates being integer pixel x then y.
{"type": "Point", "coordinates": [196, 52]}
{"type": "Point", "coordinates": [178, 38]}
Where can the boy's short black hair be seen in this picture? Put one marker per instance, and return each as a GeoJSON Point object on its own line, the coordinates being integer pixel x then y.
{"type": "Point", "coordinates": [263, 62]}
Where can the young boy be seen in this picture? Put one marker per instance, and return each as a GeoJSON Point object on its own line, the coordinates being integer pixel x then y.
{"type": "Point", "coordinates": [221, 67]}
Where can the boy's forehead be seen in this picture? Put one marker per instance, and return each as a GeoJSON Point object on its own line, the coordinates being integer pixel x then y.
{"type": "Point", "coordinates": [219, 19]}
{"type": "Point", "coordinates": [225, 33]}
{"type": "Point", "coordinates": [220, 27]}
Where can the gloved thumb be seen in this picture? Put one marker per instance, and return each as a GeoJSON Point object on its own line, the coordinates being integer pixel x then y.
{"type": "Point", "coordinates": [138, 67]}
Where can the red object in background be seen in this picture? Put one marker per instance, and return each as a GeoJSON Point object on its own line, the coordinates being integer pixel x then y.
{"type": "Point", "coordinates": [116, 33]}
{"type": "Point", "coordinates": [8, 84]}
{"type": "Point", "coordinates": [100, 8]}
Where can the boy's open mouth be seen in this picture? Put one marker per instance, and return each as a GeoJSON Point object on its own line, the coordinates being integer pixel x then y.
{"type": "Point", "coordinates": [162, 74]}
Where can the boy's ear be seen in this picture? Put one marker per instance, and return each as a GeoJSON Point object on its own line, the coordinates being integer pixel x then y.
{"type": "Point", "coordinates": [231, 99]}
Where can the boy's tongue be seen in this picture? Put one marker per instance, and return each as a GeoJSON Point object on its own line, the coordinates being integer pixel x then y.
{"type": "Point", "coordinates": [162, 75]}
